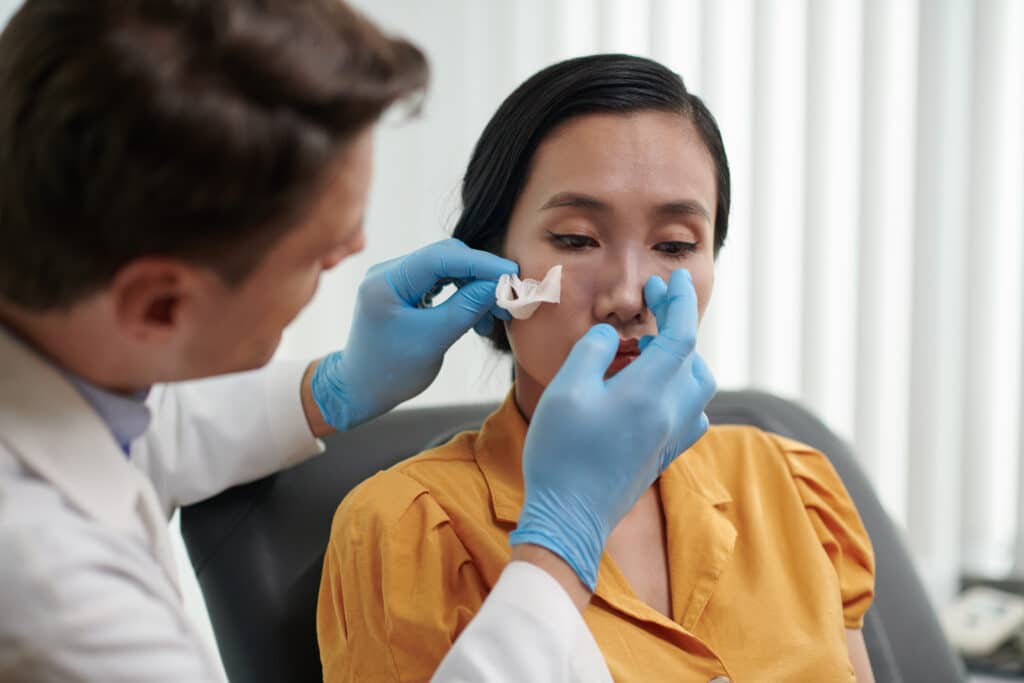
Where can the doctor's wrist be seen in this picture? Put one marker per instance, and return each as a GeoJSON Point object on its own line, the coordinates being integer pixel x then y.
{"type": "Point", "coordinates": [557, 568]}
{"type": "Point", "coordinates": [314, 416]}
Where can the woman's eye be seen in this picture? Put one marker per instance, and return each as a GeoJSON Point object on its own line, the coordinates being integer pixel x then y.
{"type": "Point", "coordinates": [572, 241]}
{"type": "Point", "coordinates": [680, 249]}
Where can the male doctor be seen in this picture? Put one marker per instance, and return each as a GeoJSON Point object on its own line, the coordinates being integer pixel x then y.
{"type": "Point", "coordinates": [175, 175]}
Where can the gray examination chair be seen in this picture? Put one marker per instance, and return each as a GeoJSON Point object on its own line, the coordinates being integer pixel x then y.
{"type": "Point", "coordinates": [257, 549]}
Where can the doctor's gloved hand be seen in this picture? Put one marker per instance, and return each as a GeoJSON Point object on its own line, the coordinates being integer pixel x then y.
{"type": "Point", "coordinates": [595, 445]}
{"type": "Point", "coordinates": [397, 342]}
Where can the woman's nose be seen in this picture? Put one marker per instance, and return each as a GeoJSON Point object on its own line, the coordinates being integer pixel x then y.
{"type": "Point", "coordinates": [621, 298]}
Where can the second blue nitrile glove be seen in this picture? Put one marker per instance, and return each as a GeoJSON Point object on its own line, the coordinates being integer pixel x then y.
{"type": "Point", "coordinates": [395, 347]}
{"type": "Point", "coordinates": [594, 446]}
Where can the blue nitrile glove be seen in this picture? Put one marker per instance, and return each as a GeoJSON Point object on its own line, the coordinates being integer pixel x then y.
{"type": "Point", "coordinates": [396, 346]}
{"type": "Point", "coordinates": [594, 446]}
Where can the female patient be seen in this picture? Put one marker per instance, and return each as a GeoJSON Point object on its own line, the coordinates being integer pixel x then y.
{"type": "Point", "coordinates": [746, 559]}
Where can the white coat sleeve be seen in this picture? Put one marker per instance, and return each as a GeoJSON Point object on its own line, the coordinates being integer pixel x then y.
{"type": "Point", "coordinates": [527, 630]}
{"type": "Point", "coordinates": [211, 434]}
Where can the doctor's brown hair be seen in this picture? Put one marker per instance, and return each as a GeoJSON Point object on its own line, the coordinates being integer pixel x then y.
{"type": "Point", "coordinates": [192, 129]}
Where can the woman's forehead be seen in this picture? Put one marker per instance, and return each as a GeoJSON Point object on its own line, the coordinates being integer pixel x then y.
{"type": "Point", "coordinates": [655, 154]}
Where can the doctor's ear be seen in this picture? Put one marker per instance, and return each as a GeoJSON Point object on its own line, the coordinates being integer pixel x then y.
{"type": "Point", "coordinates": [151, 297]}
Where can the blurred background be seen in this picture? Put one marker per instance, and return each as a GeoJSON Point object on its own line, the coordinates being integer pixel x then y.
{"type": "Point", "coordinates": [875, 264]}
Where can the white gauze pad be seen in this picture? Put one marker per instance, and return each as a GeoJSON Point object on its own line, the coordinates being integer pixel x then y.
{"type": "Point", "coordinates": [522, 297]}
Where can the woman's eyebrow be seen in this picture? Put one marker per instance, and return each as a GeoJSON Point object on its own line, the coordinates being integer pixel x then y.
{"type": "Point", "coordinates": [574, 200]}
{"type": "Point", "coordinates": [682, 207]}
{"type": "Point", "coordinates": [685, 207]}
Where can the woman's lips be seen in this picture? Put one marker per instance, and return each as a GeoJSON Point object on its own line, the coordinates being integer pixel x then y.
{"type": "Point", "coordinates": [629, 346]}
{"type": "Point", "coordinates": [629, 349]}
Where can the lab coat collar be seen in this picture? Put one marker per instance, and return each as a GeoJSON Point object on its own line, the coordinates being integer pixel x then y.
{"type": "Point", "coordinates": [55, 433]}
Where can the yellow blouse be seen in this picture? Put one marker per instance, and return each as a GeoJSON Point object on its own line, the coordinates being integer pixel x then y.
{"type": "Point", "coordinates": [768, 563]}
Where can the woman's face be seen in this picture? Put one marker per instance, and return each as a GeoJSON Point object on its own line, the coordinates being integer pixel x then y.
{"type": "Point", "coordinates": [615, 199]}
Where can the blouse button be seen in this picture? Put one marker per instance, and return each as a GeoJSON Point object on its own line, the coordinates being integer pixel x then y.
{"type": "Point", "coordinates": [720, 679]}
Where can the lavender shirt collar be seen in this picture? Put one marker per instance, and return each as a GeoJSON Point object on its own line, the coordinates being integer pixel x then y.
{"type": "Point", "coordinates": [127, 417]}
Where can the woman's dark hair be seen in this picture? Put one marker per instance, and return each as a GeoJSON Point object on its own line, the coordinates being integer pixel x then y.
{"type": "Point", "coordinates": [194, 129]}
{"type": "Point", "coordinates": [610, 83]}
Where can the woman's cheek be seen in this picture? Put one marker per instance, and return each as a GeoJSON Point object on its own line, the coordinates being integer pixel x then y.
{"type": "Point", "coordinates": [542, 342]}
{"type": "Point", "coordinates": [534, 344]}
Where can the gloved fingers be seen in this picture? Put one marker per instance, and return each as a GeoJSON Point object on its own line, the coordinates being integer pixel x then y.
{"type": "Point", "coordinates": [590, 356]}
{"type": "Point", "coordinates": [655, 295]}
{"type": "Point", "coordinates": [659, 368]}
{"type": "Point", "coordinates": [692, 436]}
{"type": "Point", "coordinates": [656, 299]}
{"type": "Point", "coordinates": [677, 331]}
{"type": "Point", "coordinates": [330, 393]}
{"type": "Point", "coordinates": [383, 266]}
{"type": "Point", "coordinates": [702, 374]}
{"type": "Point", "coordinates": [448, 259]}
{"type": "Point", "coordinates": [485, 326]}
{"type": "Point", "coordinates": [467, 307]}
{"type": "Point", "coordinates": [692, 390]}
{"type": "Point", "coordinates": [680, 318]}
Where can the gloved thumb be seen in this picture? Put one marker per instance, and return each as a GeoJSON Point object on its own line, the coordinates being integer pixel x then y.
{"type": "Point", "coordinates": [465, 308]}
{"type": "Point", "coordinates": [485, 326]}
{"type": "Point", "coordinates": [669, 456]}
{"type": "Point", "coordinates": [702, 373]}
{"type": "Point", "coordinates": [590, 356]}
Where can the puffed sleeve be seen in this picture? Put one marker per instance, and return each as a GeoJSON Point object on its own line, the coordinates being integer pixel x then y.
{"type": "Point", "coordinates": [398, 586]}
{"type": "Point", "coordinates": [838, 526]}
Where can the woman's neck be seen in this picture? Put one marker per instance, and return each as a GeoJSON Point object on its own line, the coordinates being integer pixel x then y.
{"type": "Point", "coordinates": [527, 392]}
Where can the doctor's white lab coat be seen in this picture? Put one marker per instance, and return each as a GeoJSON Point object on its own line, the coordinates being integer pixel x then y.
{"type": "Point", "coordinates": [88, 590]}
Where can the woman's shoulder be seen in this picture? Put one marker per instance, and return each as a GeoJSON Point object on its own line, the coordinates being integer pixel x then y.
{"type": "Point", "coordinates": [415, 485]}
{"type": "Point", "coordinates": [777, 486]}
{"type": "Point", "coordinates": [746, 442]}
{"type": "Point", "coordinates": [747, 462]}
{"type": "Point", "coordinates": [741, 455]}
